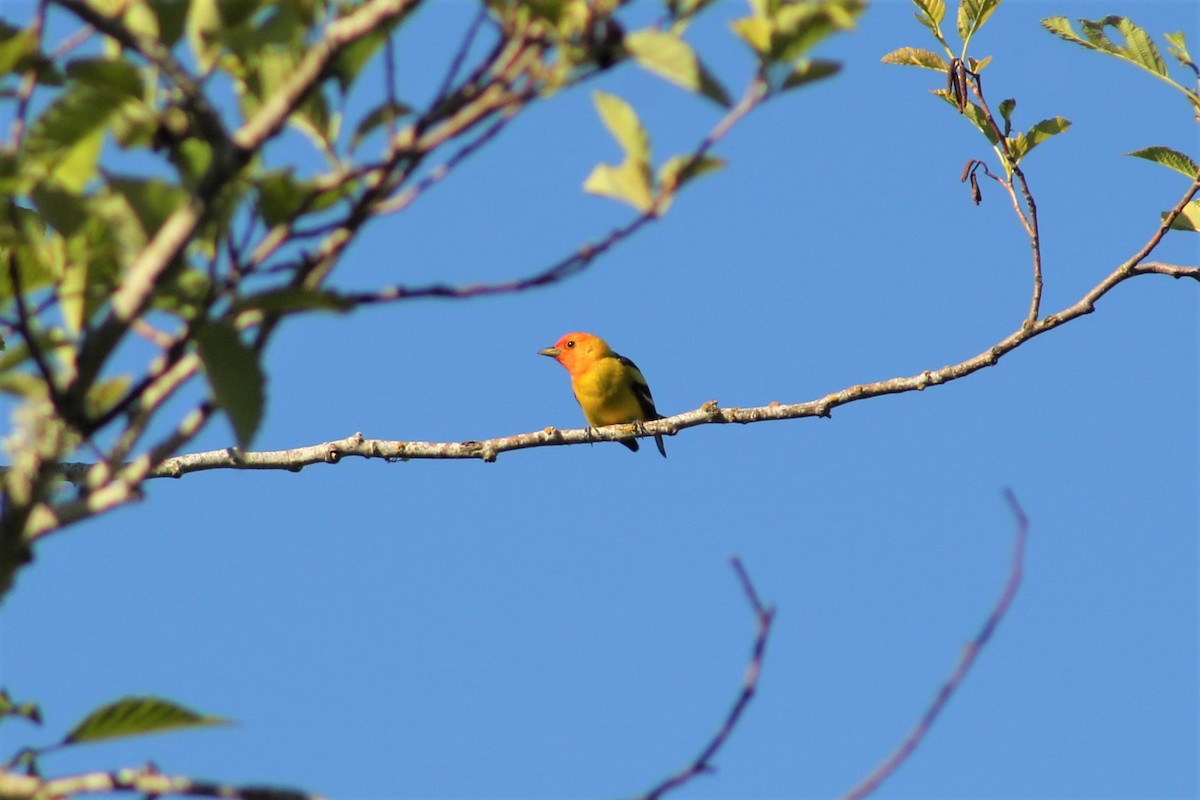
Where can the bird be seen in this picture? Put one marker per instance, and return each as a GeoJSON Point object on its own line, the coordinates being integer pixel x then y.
{"type": "Point", "coordinates": [608, 386]}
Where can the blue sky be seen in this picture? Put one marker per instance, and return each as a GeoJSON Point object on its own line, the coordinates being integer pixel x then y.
{"type": "Point", "coordinates": [564, 622]}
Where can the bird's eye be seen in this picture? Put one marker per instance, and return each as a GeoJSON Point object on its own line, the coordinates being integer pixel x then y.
{"type": "Point", "coordinates": [570, 344]}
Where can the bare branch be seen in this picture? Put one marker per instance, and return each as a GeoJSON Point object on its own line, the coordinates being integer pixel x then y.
{"type": "Point", "coordinates": [703, 763]}
{"type": "Point", "coordinates": [959, 673]}
{"type": "Point", "coordinates": [147, 781]}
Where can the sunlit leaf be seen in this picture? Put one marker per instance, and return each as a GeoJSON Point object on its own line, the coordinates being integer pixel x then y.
{"type": "Point", "coordinates": [932, 12]}
{"type": "Point", "coordinates": [972, 14]}
{"type": "Point", "coordinates": [628, 183]}
{"type": "Point", "coordinates": [1188, 219]}
{"type": "Point", "coordinates": [1171, 159]}
{"type": "Point", "coordinates": [1023, 143]}
{"type": "Point", "coordinates": [673, 59]}
{"type": "Point", "coordinates": [916, 57]}
{"type": "Point", "coordinates": [623, 123]}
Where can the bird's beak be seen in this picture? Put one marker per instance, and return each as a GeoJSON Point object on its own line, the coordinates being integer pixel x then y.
{"type": "Point", "coordinates": [553, 352]}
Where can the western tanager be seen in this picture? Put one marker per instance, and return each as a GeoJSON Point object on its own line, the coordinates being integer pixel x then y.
{"type": "Point", "coordinates": [609, 387]}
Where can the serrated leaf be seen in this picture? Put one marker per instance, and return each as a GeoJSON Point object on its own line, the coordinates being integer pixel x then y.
{"type": "Point", "coordinates": [623, 123]}
{"type": "Point", "coordinates": [1140, 47]}
{"type": "Point", "coordinates": [932, 12]}
{"type": "Point", "coordinates": [135, 716]}
{"type": "Point", "coordinates": [628, 183]}
{"type": "Point", "coordinates": [1023, 143]}
{"type": "Point", "coordinates": [1062, 28]}
{"type": "Point", "coordinates": [1188, 219]}
{"type": "Point", "coordinates": [235, 377]}
{"type": "Point", "coordinates": [916, 57]}
{"type": "Point", "coordinates": [972, 14]}
{"type": "Point", "coordinates": [973, 113]}
{"type": "Point", "coordinates": [1171, 159]}
{"type": "Point", "coordinates": [672, 58]}
{"type": "Point", "coordinates": [1177, 47]}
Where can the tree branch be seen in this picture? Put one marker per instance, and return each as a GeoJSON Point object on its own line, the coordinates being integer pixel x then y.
{"type": "Point", "coordinates": [144, 780]}
{"type": "Point", "coordinates": [703, 763]}
{"type": "Point", "coordinates": [959, 673]}
{"type": "Point", "coordinates": [331, 452]}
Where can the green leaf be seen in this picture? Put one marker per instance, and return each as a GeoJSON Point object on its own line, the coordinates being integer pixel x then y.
{"type": "Point", "coordinates": [235, 377]}
{"type": "Point", "coordinates": [1061, 27]}
{"type": "Point", "coordinates": [809, 70]}
{"type": "Point", "coordinates": [1177, 47]}
{"type": "Point", "coordinates": [151, 200]}
{"type": "Point", "coordinates": [103, 395]}
{"type": "Point", "coordinates": [66, 212]}
{"type": "Point", "coordinates": [1024, 142]}
{"type": "Point", "coordinates": [172, 15]}
{"type": "Point", "coordinates": [202, 24]}
{"type": "Point", "coordinates": [756, 32]}
{"type": "Point", "coordinates": [291, 300]}
{"type": "Point", "coordinates": [973, 113]}
{"type": "Point", "coordinates": [11, 708]}
{"type": "Point", "coordinates": [799, 27]}
{"type": "Point", "coordinates": [1171, 159]}
{"type": "Point", "coordinates": [680, 169]}
{"type": "Point", "coordinates": [1140, 48]}
{"type": "Point", "coordinates": [1189, 218]}
{"type": "Point", "coordinates": [623, 123]}
{"type": "Point", "coordinates": [1006, 108]}
{"type": "Point", "coordinates": [134, 716]}
{"type": "Point", "coordinates": [672, 58]}
{"type": "Point", "coordinates": [350, 61]}
{"type": "Point", "coordinates": [931, 12]}
{"type": "Point", "coordinates": [629, 183]}
{"type": "Point", "coordinates": [15, 46]}
{"type": "Point", "coordinates": [916, 57]}
{"type": "Point", "coordinates": [381, 115]}
{"type": "Point", "coordinates": [972, 14]}
{"type": "Point", "coordinates": [110, 76]}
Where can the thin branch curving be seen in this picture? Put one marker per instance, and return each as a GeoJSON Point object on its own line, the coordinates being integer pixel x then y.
{"type": "Point", "coordinates": [703, 762]}
{"type": "Point", "coordinates": [893, 762]}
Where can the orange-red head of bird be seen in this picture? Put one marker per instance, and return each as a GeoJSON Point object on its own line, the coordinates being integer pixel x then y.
{"type": "Point", "coordinates": [578, 351]}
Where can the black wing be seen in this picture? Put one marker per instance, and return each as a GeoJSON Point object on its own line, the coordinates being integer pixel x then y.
{"type": "Point", "coordinates": [641, 390]}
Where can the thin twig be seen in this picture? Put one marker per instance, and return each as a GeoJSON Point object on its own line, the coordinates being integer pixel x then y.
{"type": "Point", "coordinates": [571, 264]}
{"type": "Point", "coordinates": [959, 673]}
{"type": "Point", "coordinates": [1029, 218]}
{"type": "Point", "coordinates": [703, 762]}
